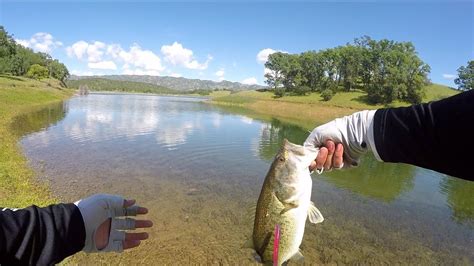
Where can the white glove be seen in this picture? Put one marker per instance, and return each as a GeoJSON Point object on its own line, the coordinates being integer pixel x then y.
{"type": "Point", "coordinates": [97, 209]}
{"type": "Point", "coordinates": [355, 132]}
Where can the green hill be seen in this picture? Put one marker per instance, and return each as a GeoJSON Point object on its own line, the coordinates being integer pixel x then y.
{"type": "Point", "coordinates": [353, 99]}
{"type": "Point", "coordinates": [101, 84]}
{"type": "Point", "coordinates": [307, 111]}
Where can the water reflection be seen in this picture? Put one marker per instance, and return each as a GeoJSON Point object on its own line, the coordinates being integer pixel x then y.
{"type": "Point", "coordinates": [39, 120]}
{"type": "Point", "coordinates": [272, 135]}
{"type": "Point", "coordinates": [106, 119]}
{"type": "Point", "coordinates": [381, 181]}
{"type": "Point", "coordinates": [103, 118]}
{"type": "Point", "coordinates": [460, 196]}
{"type": "Point", "coordinates": [198, 167]}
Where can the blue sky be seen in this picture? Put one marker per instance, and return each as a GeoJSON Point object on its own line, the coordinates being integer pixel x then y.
{"type": "Point", "coordinates": [230, 40]}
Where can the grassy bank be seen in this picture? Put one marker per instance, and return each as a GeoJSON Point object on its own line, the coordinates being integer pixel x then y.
{"type": "Point", "coordinates": [309, 110]}
{"type": "Point", "coordinates": [18, 96]}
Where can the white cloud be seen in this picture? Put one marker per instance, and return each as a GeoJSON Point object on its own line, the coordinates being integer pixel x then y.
{"type": "Point", "coordinates": [449, 76]}
{"type": "Point", "coordinates": [267, 71]}
{"type": "Point", "coordinates": [114, 50]}
{"type": "Point", "coordinates": [262, 56]}
{"type": "Point", "coordinates": [138, 71]}
{"type": "Point", "coordinates": [145, 61]}
{"type": "Point", "coordinates": [81, 73]}
{"type": "Point", "coordinates": [99, 55]}
{"type": "Point", "coordinates": [175, 75]}
{"type": "Point", "coordinates": [103, 65]}
{"type": "Point", "coordinates": [246, 120]}
{"type": "Point", "coordinates": [249, 81]}
{"type": "Point", "coordinates": [220, 74]}
{"type": "Point", "coordinates": [41, 42]}
{"type": "Point", "coordinates": [140, 58]}
{"type": "Point", "coordinates": [25, 43]}
{"type": "Point", "coordinates": [176, 54]}
{"type": "Point", "coordinates": [92, 52]}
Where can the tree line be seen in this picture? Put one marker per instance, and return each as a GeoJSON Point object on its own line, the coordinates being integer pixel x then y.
{"type": "Point", "coordinates": [465, 79]}
{"type": "Point", "coordinates": [387, 70]}
{"type": "Point", "coordinates": [18, 60]}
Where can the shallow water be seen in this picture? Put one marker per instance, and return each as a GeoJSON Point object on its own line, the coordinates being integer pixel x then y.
{"type": "Point", "coordinates": [199, 169]}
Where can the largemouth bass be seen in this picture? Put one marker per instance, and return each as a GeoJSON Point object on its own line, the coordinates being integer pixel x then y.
{"type": "Point", "coordinates": [285, 200]}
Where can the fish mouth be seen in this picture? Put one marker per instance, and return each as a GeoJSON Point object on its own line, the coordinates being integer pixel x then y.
{"type": "Point", "coordinates": [299, 149]}
{"type": "Point", "coordinates": [302, 155]}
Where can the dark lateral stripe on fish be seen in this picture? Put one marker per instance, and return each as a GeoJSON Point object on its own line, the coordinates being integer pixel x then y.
{"type": "Point", "coordinates": [265, 243]}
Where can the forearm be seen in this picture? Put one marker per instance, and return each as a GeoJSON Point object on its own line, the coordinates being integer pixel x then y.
{"type": "Point", "coordinates": [436, 135]}
{"type": "Point", "coordinates": [40, 235]}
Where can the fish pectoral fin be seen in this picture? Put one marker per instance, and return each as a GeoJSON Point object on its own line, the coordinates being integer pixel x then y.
{"type": "Point", "coordinates": [298, 256]}
{"type": "Point", "coordinates": [248, 243]}
{"type": "Point", "coordinates": [314, 214]}
{"type": "Point", "coordinates": [288, 206]}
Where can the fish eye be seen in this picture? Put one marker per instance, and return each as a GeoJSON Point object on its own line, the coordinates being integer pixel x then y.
{"type": "Point", "coordinates": [281, 158]}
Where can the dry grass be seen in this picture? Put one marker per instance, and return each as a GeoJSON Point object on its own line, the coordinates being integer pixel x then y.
{"type": "Point", "coordinates": [309, 110]}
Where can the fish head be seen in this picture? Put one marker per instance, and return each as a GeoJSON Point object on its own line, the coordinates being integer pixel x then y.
{"type": "Point", "coordinates": [295, 158]}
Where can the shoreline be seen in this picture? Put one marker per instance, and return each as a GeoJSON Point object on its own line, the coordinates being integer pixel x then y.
{"type": "Point", "coordinates": [310, 110]}
{"type": "Point", "coordinates": [19, 186]}
{"type": "Point", "coordinates": [306, 116]}
{"type": "Point", "coordinates": [148, 94]}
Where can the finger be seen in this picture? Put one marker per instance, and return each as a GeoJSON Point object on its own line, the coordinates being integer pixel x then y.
{"type": "Point", "coordinates": [131, 244]}
{"type": "Point", "coordinates": [128, 203]}
{"type": "Point", "coordinates": [136, 236]}
{"type": "Point", "coordinates": [331, 147]}
{"type": "Point", "coordinates": [312, 166]}
{"type": "Point", "coordinates": [321, 158]}
{"type": "Point", "coordinates": [115, 203]}
{"type": "Point", "coordinates": [143, 223]}
{"type": "Point", "coordinates": [130, 209]}
{"type": "Point", "coordinates": [142, 210]}
{"type": "Point", "coordinates": [134, 210]}
{"type": "Point", "coordinates": [123, 224]}
{"type": "Point", "coordinates": [338, 159]}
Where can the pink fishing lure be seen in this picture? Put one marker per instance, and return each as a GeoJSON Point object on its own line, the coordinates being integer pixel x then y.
{"type": "Point", "coordinates": [276, 243]}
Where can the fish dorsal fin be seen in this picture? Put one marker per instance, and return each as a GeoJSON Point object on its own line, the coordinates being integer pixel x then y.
{"type": "Point", "coordinates": [298, 256]}
{"type": "Point", "coordinates": [251, 209]}
{"type": "Point", "coordinates": [314, 214]}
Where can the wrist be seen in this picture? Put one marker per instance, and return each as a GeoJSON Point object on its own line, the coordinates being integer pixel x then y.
{"type": "Point", "coordinates": [78, 223]}
{"type": "Point", "coordinates": [370, 140]}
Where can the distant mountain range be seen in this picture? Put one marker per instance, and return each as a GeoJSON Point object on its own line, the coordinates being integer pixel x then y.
{"type": "Point", "coordinates": [181, 84]}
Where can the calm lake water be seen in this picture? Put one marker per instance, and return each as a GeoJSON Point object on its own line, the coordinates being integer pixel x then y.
{"type": "Point", "coordinates": [199, 169]}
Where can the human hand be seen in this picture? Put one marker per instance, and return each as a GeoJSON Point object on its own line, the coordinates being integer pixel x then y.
{"type": "Point", "coordinates": [329, 156]}
{"type": "Point", "coordinates": [341, 141]}
{"type": "Point", "coordinates": [104, 231]}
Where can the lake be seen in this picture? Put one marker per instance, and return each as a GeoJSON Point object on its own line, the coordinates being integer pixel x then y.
{"type": "Point", "coordinates": [199, 169]}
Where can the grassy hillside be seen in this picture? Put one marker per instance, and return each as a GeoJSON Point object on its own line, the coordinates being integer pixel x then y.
{"type": "Point", "coordinates": [19, 96]}
{"type": "Point", "coordinates": [179, 84]}
{"type": "Point", "coordinates": [309, 110]}
{"type": "Point", "coordinates": [101, 84]}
